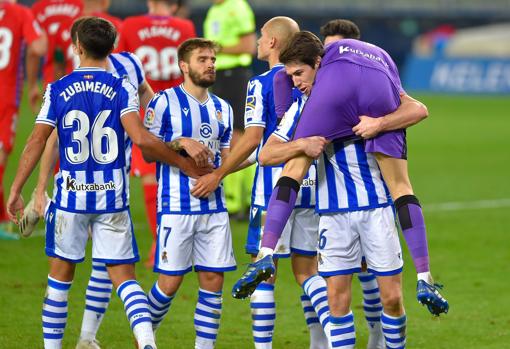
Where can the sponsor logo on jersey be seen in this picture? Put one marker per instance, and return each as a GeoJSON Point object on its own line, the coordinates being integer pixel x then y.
{"type": "Point", "coordinates": [205, 130]}
{"type": "Point", "coordinates": [185, 111]}
{"type": "Point", "coordinates": [72, 185]}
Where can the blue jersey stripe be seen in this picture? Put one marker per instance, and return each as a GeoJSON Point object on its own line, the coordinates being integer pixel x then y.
{"type": "Point", "coordinates": [110, 194]}
{"type": "Point", "coordinates": [186, 131]}
{"type": "Point", "coordinates": [365, 173]}
{"type": "Point", "coordinates": [341, 159]}
{"type": "Point", "coordinates": [139, 75]}
{"type": "Point", "coordinates": [221, 125]}
{"type": "Point", "coordinates": [71, 195]}
{"type": "Point", "coordinates": [91, 195]}
{"type": "Point", "coordinates": [121, 70]}
{"type": "Point", "coordinates": [331, 183]}
{"type": "Point", "coordinates": [306, 194]}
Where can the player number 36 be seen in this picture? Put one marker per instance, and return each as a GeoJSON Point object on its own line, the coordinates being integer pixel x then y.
{"type": "Point", "coordinates": [101, 134]}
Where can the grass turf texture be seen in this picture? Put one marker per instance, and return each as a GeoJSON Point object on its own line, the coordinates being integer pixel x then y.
{"type": "Point", "coordinates": [459, 154]}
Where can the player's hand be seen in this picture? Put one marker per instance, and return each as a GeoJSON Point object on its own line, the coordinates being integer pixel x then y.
{"type": "Point", "coordinates": [15, 207]}
{"type": "Point", "coordinates": [191, 169]}
{"type": "Point", "coordinates": [314, 146]}
{"type": "Point", "coordinates": [34, 98]}
{"type": "Point", "coordinates": [205, 185]}
{"type": "Point", "coordinates": [197, 151]}
{"type": "Point", "coordinates": [40, 201]}
{"type": "Point", "coordinates": [368, 127]}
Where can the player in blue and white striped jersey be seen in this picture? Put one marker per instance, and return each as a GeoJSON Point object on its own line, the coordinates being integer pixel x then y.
{"type": "Point", "coordinates": [192, 231]}
{"type": "Point", "coordinates": [92, 110]}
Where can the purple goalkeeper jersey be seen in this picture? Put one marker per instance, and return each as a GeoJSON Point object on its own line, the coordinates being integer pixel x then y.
{"type": "Point", "coordinates": [355, 78]}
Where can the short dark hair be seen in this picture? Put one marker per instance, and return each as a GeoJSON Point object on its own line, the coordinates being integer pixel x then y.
{"type": "Point", "coordinates": [188, 46]}
{"type": "Point", "coordinates": [303, 47]}
{"type": "Point", "coordinates": [343, 27]}
{"type": "Point", "coordinates": [74, 28]}
{"type": "Point", "coordinates": [96, 35]}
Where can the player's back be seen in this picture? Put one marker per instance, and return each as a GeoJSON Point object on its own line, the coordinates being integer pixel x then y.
{"type": "Point", "coordinates": [16, 25]}
{"type": "Point", "coordinates": [50, 14]}
{"type": "Point", "coordinates": [86, 108]}
{"type": "Point", "coordinates": [155, 39]}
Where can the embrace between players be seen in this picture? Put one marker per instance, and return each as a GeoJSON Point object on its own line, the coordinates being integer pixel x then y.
{"type": "Point", "coordinates": [336, 84]}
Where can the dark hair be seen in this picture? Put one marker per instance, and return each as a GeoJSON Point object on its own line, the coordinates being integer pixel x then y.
{"type": "Point", "coordinates": [74, 28]}
{"type": "Point", "coordinates": [188, 46]}
{"type": "Point", "coordinates": [96, 35]}
{"type": "Point", "coordinates": [303, 47]}
{"type": "Point", "coordinates": [342, 27]}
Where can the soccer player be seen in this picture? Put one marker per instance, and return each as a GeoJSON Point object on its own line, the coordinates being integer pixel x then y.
{"type": "Point", "coordinates": [410, 112]}
{"type": "Point", "coordinates": [356, 215]}
{"type": "Point", "coordinates": [154, 38]}
{"type": "Point", "coordinates": [191, 231]}
{"type": "Point", "coordinates": [17, 29]}
{"type": "Point", "coordinates": [93, 111]}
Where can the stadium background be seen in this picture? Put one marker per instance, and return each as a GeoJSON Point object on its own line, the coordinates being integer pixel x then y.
{"type": "Point", "coordinates": [459, 164]}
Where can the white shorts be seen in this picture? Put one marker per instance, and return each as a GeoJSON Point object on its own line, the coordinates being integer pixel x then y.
{"type": "Point", "coordinates": [204, 241]}
{"type": "Point", "coordinates": [299, 234]}
{"type": "Point", "coordinates": [345, 237]}
{"type": "Point", "coordinates": [113, 241]}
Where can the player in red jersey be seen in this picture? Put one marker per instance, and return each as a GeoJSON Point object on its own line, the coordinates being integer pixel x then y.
{"type": "Point", "coordinates": [50, 14]}
{"type": "Point", "coordinates": [154, 38]}
{"type": "Point", "coordinates": [65, 60]}
{"type": "Point", "coordinates": [17, 28]}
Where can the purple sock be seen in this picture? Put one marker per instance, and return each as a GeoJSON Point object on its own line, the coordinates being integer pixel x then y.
{"type": "Point", "coordinates": [412, 223]}
{"type": "Point", "coordinates": [279, 210]}
{"type": "Point", "coordinates": [282, 92]}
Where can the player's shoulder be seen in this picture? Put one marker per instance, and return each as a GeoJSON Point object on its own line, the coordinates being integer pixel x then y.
{"type": "Point", "coordinates": [135, 20]}
{"type": "Point", "coordinates": [15, 11]}
{"type": "Point", "coordinates": [126, 58]}
{"type": "Point", "coordinates": [218, 101]}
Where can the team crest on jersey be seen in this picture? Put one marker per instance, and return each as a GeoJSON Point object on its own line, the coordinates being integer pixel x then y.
{"type": "Point", "coordinates": [88, 77]}
{"type": "Point", "coordinates": [150, 115]}
{"type": "Point", "coordinates": [219, 115]}
{"type": "Point", "coordinates": [164, 257]}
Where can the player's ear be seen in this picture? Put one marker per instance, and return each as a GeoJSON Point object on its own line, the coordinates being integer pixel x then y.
{"type": "Point", "coordinates": [183, 66]}
{"type": "Point", "coordinates": [317, 62]}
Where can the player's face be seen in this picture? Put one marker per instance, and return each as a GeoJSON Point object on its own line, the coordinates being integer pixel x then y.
{"type": "Point", "coordinates": [302, 76]}
{"type": "Point", "coordinates": [201, 67]}
{"type": "Point", "coordinates": [264, 44]}
{"type": "Point", "coordinates": [332, 38]}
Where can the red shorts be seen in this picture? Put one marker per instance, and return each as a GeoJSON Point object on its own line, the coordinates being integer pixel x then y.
{"type": "Point", "coordinates": [139, 167]}
{"type": "Point", "coordinates": [8, 121]}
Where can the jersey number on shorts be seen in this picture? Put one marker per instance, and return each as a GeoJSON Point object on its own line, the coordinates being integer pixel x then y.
{"type": "Point", "coordinates": [167, 235]}
{"type": "Point", "coordinates": [322, 239]}
{"type": "Point", "coordinates": [159, 66]}
{"type": "Point", "coordinates": [5, 47]}
{"type": "Point", "coordinates": [100, 135]}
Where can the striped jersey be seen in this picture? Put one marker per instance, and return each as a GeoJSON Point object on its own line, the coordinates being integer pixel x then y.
{"type": "Point", "coordinates": [284, 131]}
{"type": "Point", "coordinates": [86, 107]}
{"type": "Point", "coordinates": [348, 179]}
{"type": "Point", "coordinates": [173, 114]}
{"type": "Point", "coordinates": [260, 111]}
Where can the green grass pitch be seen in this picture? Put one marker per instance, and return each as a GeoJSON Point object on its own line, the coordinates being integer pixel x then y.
{"type": "Point", "coordinates": [459, 154]}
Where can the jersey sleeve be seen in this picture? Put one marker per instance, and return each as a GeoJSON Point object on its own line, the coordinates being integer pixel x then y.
{"type": "Point", "coordinates": [31, 29]}
{"type": "Point", "coordinates": [154, 115]}
{"type": "Point", "coordinates": [140, 75]}
{"type": "Point", "coordinates": [129, 101]}
{"type": "Point", "coordinates": [226, 138]}
{"type": "Point", "coordinates": [47, 113]}
{"type": "Point", "coordinates": [245, 18]}
{"type": "Point", "coordinates": [286, 128]}
{"type": "Point", "coordinates": [254, 107]}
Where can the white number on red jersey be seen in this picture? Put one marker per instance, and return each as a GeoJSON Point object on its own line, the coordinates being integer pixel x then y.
{"type": "Point", "coordinates": [159, 66]}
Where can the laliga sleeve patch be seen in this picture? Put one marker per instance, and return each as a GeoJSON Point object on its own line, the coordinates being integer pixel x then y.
{"type": "Point", "coordinates": [150, 115]}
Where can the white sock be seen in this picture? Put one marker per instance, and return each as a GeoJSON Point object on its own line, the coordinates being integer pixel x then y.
{"type": "Point", "coordinates": [265, 251]}
{"type": "Point", "coordinates": [372, 308]}
{"type": "Point", "coordinates": [54, 314]}
{"type": "Point", "coordinates": [342, 331]}
{"type": "Point", "coordinates": [426, 276]}
{"type": "Point", "coordinates": [318, 339]}
{"type": "Point", "coordinates": [263, 314]}
{"type": "Point", "coordinates": [394, 329]}
{"type": "Point", "coordinates": [207, 318]}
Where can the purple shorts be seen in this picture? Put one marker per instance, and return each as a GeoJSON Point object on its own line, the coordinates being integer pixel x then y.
{"type": "Point", "coordinates": [342, 92]}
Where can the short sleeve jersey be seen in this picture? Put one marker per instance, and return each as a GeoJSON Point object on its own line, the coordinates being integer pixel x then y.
{"type": "Point", "coordinates": [155, 39]}
{"type": "Point", "coordinates": [174, 114]}
{"type": "Point", "coordinates": [50, 14]}
{"type": "Point", "coordinates": [86, 107]}
{"type": "Point", "coordinates": [225, 23]}
{"type": "Point", "coordinates": [17, 28]}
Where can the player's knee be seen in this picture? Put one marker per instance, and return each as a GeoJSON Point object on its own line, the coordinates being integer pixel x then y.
{"type": "Point", "coordinates": [169, 284]}
{"type": "Point", "coordinates": [404, 216]}
{"type": "Point", "coordinates": [392, 301]}
{"type": "Point", "coordinates": [285, 186]}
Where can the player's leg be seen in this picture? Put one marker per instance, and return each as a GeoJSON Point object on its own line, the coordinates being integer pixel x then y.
{"type": "Point", "coordinates": [303, 244]}
{"type": "Point", "coordinates": [213, 255]}
{"type": "Point", "coordinates": [97, 299]}
{"type": "Point", "coordinates": [372, 308]}
{"type": "Point", "coordinates": [383, 254]}
{"type": "Point", "coordinates": [341, 317]}
{"type": "Point", "coordinates": [412, 223]}
{"type": "Point", "coordinates": [114, 243]}
{"type": "Point", "coordinates": [64, 252]}
{"type": "Point", "coordinates": [393, 318]}
{"type": "Point", "coordinates": [8, 118]}
{"type": "Point", "coordinates": [173, 260]}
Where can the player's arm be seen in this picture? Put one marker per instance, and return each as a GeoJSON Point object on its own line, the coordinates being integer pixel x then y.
{"type": "Point", "coordinates": [37, 48]}
{"type": "Point", "coordinates": [29, 158]}
{"type": "Point", "coordinates": [247, 44]}
{"type": "Point", "coordinates": [409, 113]}
{"type": "Point", "coordinates": [196, 150]}
{"type": "Point", "coordinates": [145, 93]}
{"type": "Point", "coordinates": [277, 151]}
{"type": "Point", "coordinates": [48, 161]}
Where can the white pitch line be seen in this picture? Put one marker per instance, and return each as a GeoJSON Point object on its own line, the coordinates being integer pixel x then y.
{"type": "Point", "coordinates": [467, 205]}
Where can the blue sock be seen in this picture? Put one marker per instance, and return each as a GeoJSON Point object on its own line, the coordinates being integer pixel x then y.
{"type": "Point", "coordinates": [263, 314]}
{"type": "Point", "coordinates": [159, 304]}
{"type": "Point", "coordinates": [54, 313]}
{"type": "Point", "coordinates": [342, 331]}
{"type": "Point", "coordinates": [207, 318]}
{"type": "Point", "coordinates": [394, 329]}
